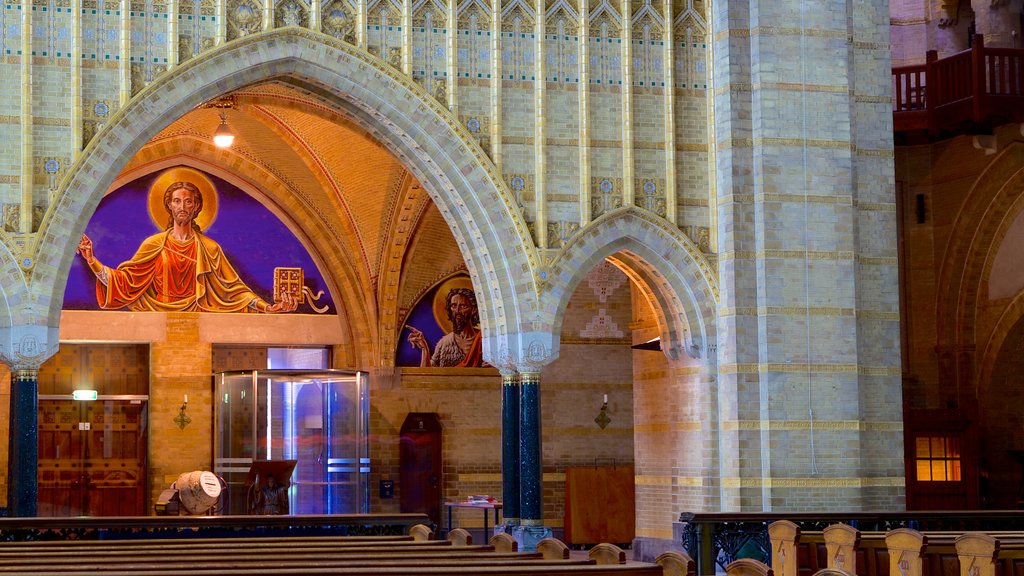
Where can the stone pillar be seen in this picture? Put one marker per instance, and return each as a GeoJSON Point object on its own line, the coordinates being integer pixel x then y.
{"type": "Point", "coordinates": [23, 455]}
{"type": "Point", "coordinates": [510, 391]}
{"type": "Point", "coordinates": [531, 489]}
{"type": "Point", "coordinates": [809, 316]}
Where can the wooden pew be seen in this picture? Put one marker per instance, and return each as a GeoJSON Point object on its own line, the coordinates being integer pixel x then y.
{"type": "Point", "coordinates": [905, 552]}
{"type": "Point", "coordinates": [456, 557]}
{"type": "Point", "coordinates": [748, 567]}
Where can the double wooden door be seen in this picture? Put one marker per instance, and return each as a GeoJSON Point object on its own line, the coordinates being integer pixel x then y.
{"type": "Point", "coordinates": [92, 457]}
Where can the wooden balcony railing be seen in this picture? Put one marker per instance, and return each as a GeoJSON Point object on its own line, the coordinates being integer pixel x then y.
{"type": "Point", "coordinates": [977, 88]}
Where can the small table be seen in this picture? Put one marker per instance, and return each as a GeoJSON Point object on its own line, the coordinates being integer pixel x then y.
{"type": "Point", "coordinates": [485, 506]}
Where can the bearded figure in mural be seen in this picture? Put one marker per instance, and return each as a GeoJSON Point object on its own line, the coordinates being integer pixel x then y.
{"type": "Point", "coordinates": [177, 270]}
{"type": "Point", "coordinates": [460, 348]}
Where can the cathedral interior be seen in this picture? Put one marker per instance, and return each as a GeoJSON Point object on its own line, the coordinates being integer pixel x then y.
{"type": "Point", "coordinates": [729, 247]}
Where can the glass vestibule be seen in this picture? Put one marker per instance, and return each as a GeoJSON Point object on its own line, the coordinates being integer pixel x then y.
{"type": "Point", "coordinates": [318, 418]}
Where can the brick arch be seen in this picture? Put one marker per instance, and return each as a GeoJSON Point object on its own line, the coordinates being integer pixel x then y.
{"type": "Point", "coordinates": [467, 189]}
{"type": "Point", "coordinates": [994, 198]}
{"type": "Point", "coordinates": [13, 291]}
{"type": "Point", "coordinates": [987, 357]}
{"type": "Point", "coordinates": [669, 267]}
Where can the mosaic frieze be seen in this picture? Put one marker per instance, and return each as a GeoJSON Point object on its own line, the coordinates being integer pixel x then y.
{"type": "Point", "coordinates": [699, 235]}
{"type": "Point", "coordinates": [48, 171]}
{"type": "Point", "coordinates": [440, 90]}
{"type": "Point", "coordinates": [561, 232]}
{"type": "Point", "coordinates": [291, 13]}
{"type": "Point", "coordinates": [94, 116]}
{"type": "Point", "coordinates": [142, 73]}
{"type": "Point", "coordinates": [605, 195]}
{"type": "Point", "coordinates": [245, 17]}
{"type": "Point", "coordinates": [517, 44]}
{"type": "Point", "coordinates": [522, 188]}
{"type": "Point", "coordinates": [605, 23]}
{"type": "Point", "coordinates": [196, 28]}
{"type": "Point", "coordinates": [562, 48]}
{"type": "Point", "coordinates": [12, 217]}
{"type": "Point", "coordinates": [476, 12]}
{"type": "Point", "coordinates": [519, 19]}
{"type": "Point", "coordinates": [650, 195]}
{"type": "Point", "coordinates": [562, 23]}
{"type": "Point", "coordinates": [570, 5]}
{"type": "Point", "coordinates": [339, 20]}
{"type": "Point", "coordinates": [691, 52]}
{"type": "Point", "coordinates": [384, 30]}
{"type": "Point", "coordinates": [101, 32]}
{"type": "Point", "coordinates": [56, 21]}
{"type": "Point", "coordinates": [648, 27]}
{"type": "Point", "coordinates": [474, 38]}
{"type": "Point", "coordinates": [429, 14]}
{"type": "Point", "coordinates": [429, 60]}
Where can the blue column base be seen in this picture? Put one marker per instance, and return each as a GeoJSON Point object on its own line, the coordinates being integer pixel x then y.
{"type": "Point", "coordinates": [529, 536]}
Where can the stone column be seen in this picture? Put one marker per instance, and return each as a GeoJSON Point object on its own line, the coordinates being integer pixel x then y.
{"type": "Point", "coordinates": [510, 391]}
{"type": "Point", "coordinates": [531, 489]}
{"type": "Point", "coordinates": [23, 454]}
{"type": "Point", "coordinates": [809, 377]}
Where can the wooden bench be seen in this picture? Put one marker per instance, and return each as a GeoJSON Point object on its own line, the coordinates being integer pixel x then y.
{"type": "Point", "coordinates": [363, 556]}
{"type": "Point", "coordinates": [901, 552]}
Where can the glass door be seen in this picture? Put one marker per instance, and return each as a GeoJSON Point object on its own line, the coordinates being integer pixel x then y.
{"type": "Point", "coordinates": [314, 418]}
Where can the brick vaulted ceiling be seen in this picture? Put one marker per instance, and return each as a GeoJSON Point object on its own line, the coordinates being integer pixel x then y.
{"type": "Point", "coordinates": [317, 169]}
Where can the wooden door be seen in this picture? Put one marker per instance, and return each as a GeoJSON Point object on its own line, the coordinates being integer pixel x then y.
{"type": "Point", "coordinates": [61, 489]}
{"type": "Point", "coordinates": [92, 458]}
{"type": "Point", "coordinates": [419, 462]}
{"type": "Point", "coordinates": [600, 505]}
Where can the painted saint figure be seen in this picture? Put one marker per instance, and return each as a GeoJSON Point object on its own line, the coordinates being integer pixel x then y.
{"type": "Point", "coordinates": [461, 347]}
{"type": "Point", "coordinates": [177, 270]}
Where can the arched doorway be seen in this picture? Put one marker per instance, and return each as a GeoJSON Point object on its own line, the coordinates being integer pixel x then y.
{"type": "Point", "coordinates": [290, 114]}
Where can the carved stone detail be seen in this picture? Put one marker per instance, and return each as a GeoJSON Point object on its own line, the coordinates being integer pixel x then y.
{"type": "Point", "coordinates": [244, 17]}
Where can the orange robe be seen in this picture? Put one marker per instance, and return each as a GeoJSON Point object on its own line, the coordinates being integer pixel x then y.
{"type": "Point", "coordinates": [166, 275]}
{"type": "Point", "coordinates": [474, 356]}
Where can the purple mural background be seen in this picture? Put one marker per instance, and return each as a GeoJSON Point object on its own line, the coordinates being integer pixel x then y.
{"type": "Point", "coordinates": [254, 240]}
{"type": "Point", "coordinates": [422, 317]}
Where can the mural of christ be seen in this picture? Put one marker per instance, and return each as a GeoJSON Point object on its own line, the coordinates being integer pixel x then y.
{"type": "Point", "coordinates": [179, 269]}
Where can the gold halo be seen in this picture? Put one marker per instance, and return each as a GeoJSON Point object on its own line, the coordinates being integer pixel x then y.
{"type": "Point", "coordinates": [158, 214]}
{"type": "Point", "coordinates": [440, 314]}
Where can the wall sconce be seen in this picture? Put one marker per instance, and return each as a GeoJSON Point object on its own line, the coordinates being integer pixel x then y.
{"type": "Point", "coordinates": [182, 419]}
{"type": "Point", "coordinates": [602, 416]}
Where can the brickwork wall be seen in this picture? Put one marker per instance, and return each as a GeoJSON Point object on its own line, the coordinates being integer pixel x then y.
{"type": "Point", "coordinates": [179, 365]}
{"type": "Point", "coordinates": [595, 360]}
{"type": "Point", "coordinates": [962, 341]}
{"type": "Point", "coordinates": [807, 249]}
{"type": "Point", "coordinates": [104, 83]}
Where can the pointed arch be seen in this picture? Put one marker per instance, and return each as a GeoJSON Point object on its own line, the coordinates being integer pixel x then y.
{"type": "Point", "coordinates": [667, 265]}
{"type": "Point", "coordinates": [464, 185]}
{"type": "Point", "coordinates": [995, 196]}
{"type": "Point", "coordinates": [565, 6]}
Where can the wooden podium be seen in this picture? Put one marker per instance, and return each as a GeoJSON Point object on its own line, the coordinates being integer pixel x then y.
{"type": "Point", "coordinates": [600, 505]}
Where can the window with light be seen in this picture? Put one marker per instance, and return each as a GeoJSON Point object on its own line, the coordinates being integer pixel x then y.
{"type": "Point", "coordinates": [938, 458]}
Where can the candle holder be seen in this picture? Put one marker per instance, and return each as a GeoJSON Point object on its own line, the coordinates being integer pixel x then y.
{"type": "Point", "coordinates": [602, 419]}
{"type": "Point", "coordinates": [183, 419]}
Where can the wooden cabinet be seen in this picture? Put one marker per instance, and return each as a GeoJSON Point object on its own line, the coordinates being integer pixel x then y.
{"type": "Point", "coordinates": [600, 505]}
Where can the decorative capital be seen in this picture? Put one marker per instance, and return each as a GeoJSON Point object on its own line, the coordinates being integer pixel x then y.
{"type": "Point", "coordinates": [27, 347]}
